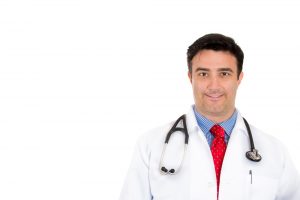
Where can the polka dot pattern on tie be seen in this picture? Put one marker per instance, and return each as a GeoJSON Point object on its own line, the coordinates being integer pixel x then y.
{"type": "Point", "coordinates": [218, 149]}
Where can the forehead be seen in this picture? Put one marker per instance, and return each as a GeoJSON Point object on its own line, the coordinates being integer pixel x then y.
{"type": "Point", "coordinates": [211, 59]}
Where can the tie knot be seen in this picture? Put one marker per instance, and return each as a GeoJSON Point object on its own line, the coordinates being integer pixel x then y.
{"type": "Point", "coordinates": [217, 131]}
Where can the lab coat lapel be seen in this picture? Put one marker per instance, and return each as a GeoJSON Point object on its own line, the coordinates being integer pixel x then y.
{"type": "Point", "coordinates": [201, 166]}
{"type": "Point", "coordinates": [234, 169]}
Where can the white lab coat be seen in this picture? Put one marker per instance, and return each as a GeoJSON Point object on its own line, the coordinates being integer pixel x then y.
{"type": "Point", "coordinates": [273, 178]}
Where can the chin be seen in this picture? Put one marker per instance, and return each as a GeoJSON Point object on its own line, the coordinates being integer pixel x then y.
{"type": "Point", "coordinates": [216, 110]}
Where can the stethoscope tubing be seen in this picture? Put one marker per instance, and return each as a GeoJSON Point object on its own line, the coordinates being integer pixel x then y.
{"type": "Point", "coordinates": [175, 128]}
{"type": "Point", "coordinates": [252, 155]}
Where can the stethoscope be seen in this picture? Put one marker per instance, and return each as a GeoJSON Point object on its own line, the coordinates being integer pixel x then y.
{"type": "Point", "coordinates": [251, 155]}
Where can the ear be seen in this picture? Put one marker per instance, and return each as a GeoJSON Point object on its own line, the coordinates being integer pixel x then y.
{"type": "Point", "coordinates": [240, 77]}
{"type": "Point", "coordinates": [190, 76]}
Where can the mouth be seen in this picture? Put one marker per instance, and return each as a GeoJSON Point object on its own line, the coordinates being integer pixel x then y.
{"type": "Point", "coordinates": [214, 97]}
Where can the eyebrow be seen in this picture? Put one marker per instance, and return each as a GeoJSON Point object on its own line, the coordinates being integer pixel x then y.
{"type": "Point", "coordinates": [201, 69]}
{"type": "Point", "coordinates": [225, 69]}
{"type": "Point", "coordinates": [220, 69]}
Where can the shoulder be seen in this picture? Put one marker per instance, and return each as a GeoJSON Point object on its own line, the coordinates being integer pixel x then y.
{"type": "Point", "coordinates": [154, 135]}
{"type": "Point", "coordinates": [158, 134]}
{"type": "Point", "coordinates": [265, 137]}
{"type": "Point", "coordinates": [260, 138]}
{"type": "Point", "coordinates": [271, 147]}
{"type": "Point", "coordinates": [151, 143]}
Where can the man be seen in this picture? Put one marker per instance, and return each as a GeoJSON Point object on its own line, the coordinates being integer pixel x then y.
{"type": "Point", "coordinates": [214, 165]}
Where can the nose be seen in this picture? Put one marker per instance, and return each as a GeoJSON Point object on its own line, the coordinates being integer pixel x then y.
{"type": "Point", "coordinates": [214, 82]}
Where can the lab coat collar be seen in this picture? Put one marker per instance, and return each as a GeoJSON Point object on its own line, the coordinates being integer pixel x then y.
{"type": "Point", "coordinates": [240, 124]}
{"type": "Point", "coordinates": [192, 124]}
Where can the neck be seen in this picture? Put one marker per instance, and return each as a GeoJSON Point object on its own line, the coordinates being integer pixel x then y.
{"type": "Point", "coordinates": [217, 117]}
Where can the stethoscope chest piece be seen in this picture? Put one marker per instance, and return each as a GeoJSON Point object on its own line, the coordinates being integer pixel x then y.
{"type": "Point", "coordinates": [253, 155]}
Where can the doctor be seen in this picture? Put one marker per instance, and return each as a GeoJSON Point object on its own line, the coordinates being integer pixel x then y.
{"type": "Point", "coordinates": [214, 164]}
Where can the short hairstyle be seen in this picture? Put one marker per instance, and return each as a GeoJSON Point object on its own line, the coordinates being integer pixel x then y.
{"type": "Point", "coordinates": [216, 42]}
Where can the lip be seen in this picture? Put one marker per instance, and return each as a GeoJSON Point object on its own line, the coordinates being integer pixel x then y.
{"type": "Point", "coordinates": [214, 97]}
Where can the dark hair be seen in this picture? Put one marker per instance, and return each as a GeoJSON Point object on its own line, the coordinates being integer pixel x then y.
{"type": "Point", "coordinates": [217, 42]}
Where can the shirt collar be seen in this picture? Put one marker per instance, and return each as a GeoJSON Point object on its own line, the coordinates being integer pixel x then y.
{"type": "Point", "coordinates": [206, 124]}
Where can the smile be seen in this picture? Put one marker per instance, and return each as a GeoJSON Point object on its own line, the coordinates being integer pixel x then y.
{"type": "Point", "coordinates": [214, 97]}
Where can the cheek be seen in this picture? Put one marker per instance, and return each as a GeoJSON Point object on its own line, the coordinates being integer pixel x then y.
{"type": "Point", "coordinates": [198, 88]}
{"type": "Point", "coordinates": [231, 89]}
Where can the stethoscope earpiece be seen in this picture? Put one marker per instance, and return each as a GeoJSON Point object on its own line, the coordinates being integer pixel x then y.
{"type": "Point", "coordinates": [166, 171]}
{"type": "Point", "coordinates": [162, 169]}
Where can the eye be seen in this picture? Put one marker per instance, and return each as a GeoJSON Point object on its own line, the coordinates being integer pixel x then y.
{"type": "Point", "coordinates": [204, 74]}
{"type": "Point", "coordinates": [225, 74]}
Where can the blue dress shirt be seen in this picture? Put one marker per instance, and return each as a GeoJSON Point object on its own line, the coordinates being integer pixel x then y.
{"type": "Point", "coordinates": [206, 124]}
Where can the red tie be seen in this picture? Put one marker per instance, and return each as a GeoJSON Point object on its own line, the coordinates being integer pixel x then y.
{"type": "Point", "coordinates": [218, 149]}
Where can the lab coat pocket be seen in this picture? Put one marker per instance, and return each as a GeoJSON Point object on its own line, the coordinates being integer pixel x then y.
{"type": "Point", "coordinates": [261, 186]}
{"type": "Point", "coordinates": [170, 187]}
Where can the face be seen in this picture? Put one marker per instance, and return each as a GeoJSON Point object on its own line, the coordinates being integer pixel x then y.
{"type": "Point", "coordinates": [215, 82]}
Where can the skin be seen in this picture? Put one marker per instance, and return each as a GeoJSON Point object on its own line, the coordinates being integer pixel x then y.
{"type": "Point", "coordinates": [215, 82]}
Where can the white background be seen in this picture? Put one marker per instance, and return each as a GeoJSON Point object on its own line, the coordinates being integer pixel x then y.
{"type": "Point", "coordinates": [81, 80]}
